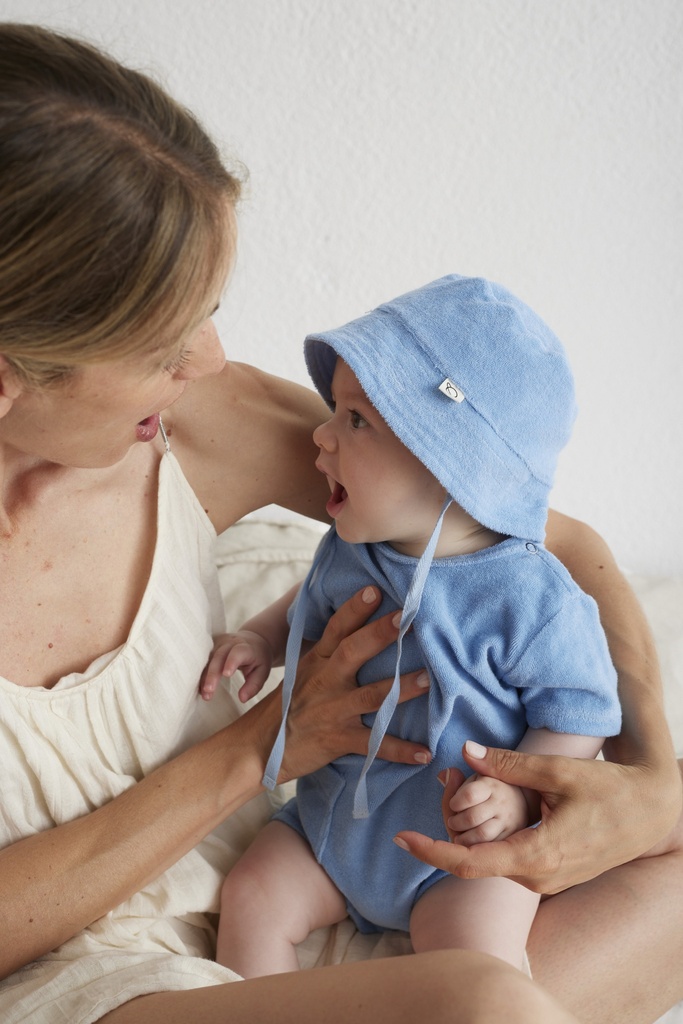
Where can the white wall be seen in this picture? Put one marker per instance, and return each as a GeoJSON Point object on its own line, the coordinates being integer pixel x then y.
{"type": "Point", "coordinates": [390, 141]}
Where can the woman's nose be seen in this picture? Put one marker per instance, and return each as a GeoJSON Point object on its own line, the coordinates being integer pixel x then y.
{"type": "Point", "coordinates": [207, 355]}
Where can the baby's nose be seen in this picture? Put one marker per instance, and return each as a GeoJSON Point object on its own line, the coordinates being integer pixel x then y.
{"type": "Point", "coordinates": [323, 436]}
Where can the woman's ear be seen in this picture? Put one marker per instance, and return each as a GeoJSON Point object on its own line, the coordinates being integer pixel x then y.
{"type": "Point", "coordinates": [10, 386]}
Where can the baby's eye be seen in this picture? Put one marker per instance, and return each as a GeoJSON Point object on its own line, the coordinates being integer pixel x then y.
{"type": "Point", "coordinates": [357, 420]}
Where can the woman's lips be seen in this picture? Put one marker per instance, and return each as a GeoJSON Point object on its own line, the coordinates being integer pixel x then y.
{"type": "Point", "coordinates": [336, 500]}
{"type": "Point", "coordinates": [146, 430]}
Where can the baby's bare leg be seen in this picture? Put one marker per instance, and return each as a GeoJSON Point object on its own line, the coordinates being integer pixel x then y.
{"type": "Point", "coordinates": [491, 915]}
{"type": "Point", "coordinates": [271, 900]}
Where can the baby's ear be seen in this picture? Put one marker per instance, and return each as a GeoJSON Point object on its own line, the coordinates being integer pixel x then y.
{"type": "Point", "coordinates": [10, 386]}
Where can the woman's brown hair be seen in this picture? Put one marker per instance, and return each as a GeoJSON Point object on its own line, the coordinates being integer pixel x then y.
{"type": "Point", "coordinates": [113, 208]}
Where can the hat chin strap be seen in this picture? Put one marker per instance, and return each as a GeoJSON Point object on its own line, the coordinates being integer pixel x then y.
{"type": "Point", "coordinates": [388, 705]}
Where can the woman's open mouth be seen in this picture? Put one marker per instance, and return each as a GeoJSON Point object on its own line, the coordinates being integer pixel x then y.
{"type": "Point", "coordinates": [146, 430]}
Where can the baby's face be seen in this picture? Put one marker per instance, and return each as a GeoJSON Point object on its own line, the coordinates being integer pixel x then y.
{"type": "Point", "coordinates": [380, 490]}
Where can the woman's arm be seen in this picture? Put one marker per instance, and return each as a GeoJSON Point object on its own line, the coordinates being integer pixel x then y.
{"type": "Point", "coordinates": [245, 439]}
{"type": "Point", "coordinates": [645, 737]}
{"type": "Point", "coordinates": [55, 883]}
{"type": "Point", "coordinates": [595, 814]}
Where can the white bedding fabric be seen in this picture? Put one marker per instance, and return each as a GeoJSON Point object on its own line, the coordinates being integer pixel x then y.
{"type": "Point", "coordinates": [259, 559]}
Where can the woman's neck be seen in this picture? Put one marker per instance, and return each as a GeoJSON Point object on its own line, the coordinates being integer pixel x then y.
{"type": "Point", "coordinates": [28, 481]}
{"type": "Point", "coordinates": [22, 476]}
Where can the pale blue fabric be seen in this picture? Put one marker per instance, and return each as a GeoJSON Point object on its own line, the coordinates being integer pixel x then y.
{"type": "Point", "coordinates": [508, 640]}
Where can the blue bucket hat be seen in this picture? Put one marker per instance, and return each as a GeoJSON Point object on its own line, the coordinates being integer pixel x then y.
{"type": "Point", "coordinates": [474, 383]}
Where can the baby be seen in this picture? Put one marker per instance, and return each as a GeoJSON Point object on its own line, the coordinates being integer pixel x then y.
{"type": "Point", "coordinates": [449, 407]}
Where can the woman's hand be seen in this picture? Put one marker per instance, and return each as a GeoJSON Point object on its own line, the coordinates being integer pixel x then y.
{"type": "Point", "coordinates": [594, 816]}
{"type": "Point", "coordinates": [324, 720]}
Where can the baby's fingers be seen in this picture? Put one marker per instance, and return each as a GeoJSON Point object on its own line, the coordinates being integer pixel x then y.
{"type": "Point", "coordinates": [472, 793]}
{"type": "Point", "coordinates": [485, 832]}
{"type": "Point", "coordinates": [212, 675]}
{"type": "Point", "coordinates": [253, 682]}
{"type": "Point", "coordinates": [241, 656]}
{"type": "Point", "coordinates": [470, 818]}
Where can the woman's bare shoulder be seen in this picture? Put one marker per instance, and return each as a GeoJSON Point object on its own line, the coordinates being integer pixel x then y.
{"type": "Point", "coordinates": [244, 440]}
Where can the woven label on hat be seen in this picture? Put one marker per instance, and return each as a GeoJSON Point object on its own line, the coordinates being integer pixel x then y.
{"type": "Point", "coordinates": [451, 390]}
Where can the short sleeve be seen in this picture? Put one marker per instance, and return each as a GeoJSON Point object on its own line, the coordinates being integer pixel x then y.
{"type": "Point", "coordinates": [565, 676]}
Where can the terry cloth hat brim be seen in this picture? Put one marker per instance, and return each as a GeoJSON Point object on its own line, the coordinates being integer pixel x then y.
{"type": "Point", "coordinates": [496, 449]}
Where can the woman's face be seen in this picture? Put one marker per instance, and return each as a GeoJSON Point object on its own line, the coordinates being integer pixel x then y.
{"type": "Point", "coordinates": [102, 410]}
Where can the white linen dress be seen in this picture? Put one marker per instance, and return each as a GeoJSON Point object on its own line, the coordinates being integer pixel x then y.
{"type": "Point", "coordinates": [67, 750]}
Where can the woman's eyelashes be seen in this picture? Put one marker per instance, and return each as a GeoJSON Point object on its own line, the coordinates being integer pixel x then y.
{"type": "Point", "coordinates": [178, 362]}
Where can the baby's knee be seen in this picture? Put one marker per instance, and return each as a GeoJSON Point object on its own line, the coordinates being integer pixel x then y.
{"type": "Point", "coordinates": [245, 892]}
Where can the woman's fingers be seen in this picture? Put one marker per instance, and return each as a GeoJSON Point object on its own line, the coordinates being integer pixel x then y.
{"type": "Point", "coordinates": [543, 772]}
{"type": "Point", "coordinates": [353, 736]}
{"type": "Point", "coordinates": [367, 699]}
{"type": "Point", "coordinates": [325, 717]}
{"type": "Point", "coordinates": [347, 619]}
{"type": "Point", "coordinates": [589, 821]}
{"type": "Point", "coordinates": [517, 857]}
{"type": "Point", "coordinates": [350, 641]}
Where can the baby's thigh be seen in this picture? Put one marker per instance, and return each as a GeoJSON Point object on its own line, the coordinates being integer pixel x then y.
{"type": "Point", "coordinates": [491, 915]}
{"type": "Point", "coordinates": [280, 871]}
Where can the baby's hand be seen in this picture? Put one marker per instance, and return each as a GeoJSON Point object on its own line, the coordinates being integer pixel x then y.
{"type": "Point", "coordinates": [486, 809]}
{"type": "Point", "coordinates": [246, 651]}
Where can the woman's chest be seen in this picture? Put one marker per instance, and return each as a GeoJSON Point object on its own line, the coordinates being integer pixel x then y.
{"type": "Point", "coordinates": [73, 575]}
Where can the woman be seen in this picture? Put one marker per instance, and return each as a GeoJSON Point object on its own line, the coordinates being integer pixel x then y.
{"type": "Point", "coordinates": [117, 236]}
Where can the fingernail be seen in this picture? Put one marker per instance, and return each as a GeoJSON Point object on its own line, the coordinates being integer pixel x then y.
{"type": "Point", "coordinates": [423, 758]}
{"type": "Point", "coordinates": [422, 680]}
{"type": "Point", "coordinates": [369, 595]}
{"type": "Point", "coordinates": [475, 749]}
{"type": "Point", "coordinates": [401, 842]}
{"type": "Point", "coordinates": [443, 776]}
{"type": "Point", "coordinates": [396, 621]}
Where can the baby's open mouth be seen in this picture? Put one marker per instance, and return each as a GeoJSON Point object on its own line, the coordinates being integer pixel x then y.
{"type": "Point", "coordinates": [336, 500]}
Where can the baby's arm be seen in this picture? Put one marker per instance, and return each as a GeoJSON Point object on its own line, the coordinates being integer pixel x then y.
{"type": "Point", "coordinates": [255, 648]}
{"type": "Point", "coordinates": [487, 809]}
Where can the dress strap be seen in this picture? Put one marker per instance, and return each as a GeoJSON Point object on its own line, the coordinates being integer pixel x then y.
{"type": "Point", "coordinates": [167, 443]}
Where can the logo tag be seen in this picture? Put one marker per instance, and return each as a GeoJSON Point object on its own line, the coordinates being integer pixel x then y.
{"type": "Point", "coordinates": [451, 390]}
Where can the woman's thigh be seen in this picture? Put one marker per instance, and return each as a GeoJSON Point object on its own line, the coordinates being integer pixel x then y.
{"type": "Point", "coordinates": [612, 949]}
{"type": "Point", "coordinates": [445, 987]}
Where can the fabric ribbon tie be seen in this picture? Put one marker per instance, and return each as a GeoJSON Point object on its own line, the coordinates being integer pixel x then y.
{"type": "Point", "coordinates": [293, 649]}
{"type": "Point", "coordinates": [390, 702]}
{"type": "Point", "coordinates": [388, 705]}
